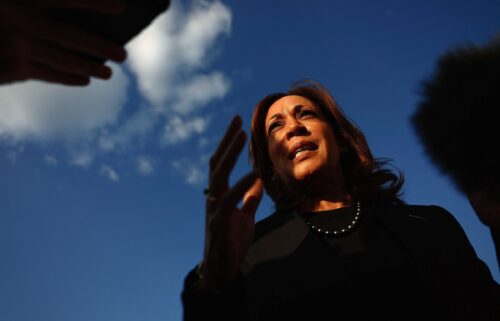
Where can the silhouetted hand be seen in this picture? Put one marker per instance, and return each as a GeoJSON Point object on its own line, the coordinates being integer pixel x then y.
{"type": "Point", "coordinates": [229, 230]}
{"type": "Point", "coordinates": [32, 46]}
{"type": "Point", "coordinates": [486, 204]}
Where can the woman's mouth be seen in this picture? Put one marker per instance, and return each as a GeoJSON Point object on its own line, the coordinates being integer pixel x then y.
{"type": "Point", "coordinates": [301, 148]}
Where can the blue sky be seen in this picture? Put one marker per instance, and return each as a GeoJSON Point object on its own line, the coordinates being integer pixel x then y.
{"type": "Point", "coordinates": [101, 203]}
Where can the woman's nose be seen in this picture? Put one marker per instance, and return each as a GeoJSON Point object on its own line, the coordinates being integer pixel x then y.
{"type": "Point", "coordinates": [294, 128]}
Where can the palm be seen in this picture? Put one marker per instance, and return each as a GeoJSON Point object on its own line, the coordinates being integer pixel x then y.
{"type": "Point", "coordinates": [241, 228]}
{"type": "Point", "coordinates": [229, 229]}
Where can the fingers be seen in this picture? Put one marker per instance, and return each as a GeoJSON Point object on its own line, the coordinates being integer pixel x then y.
{"type": "Point", "coordinates": [103, 6]}
{"type": "Point", "coordinates": [224, 159]}
{"type": "Point", "coordinates": [45, 73]}
{"type": "Point", "coordinates": [17, 64]}
{"type": "Point", "coordinates": [235, 194]}
{"type": "Point", "coordinates": [252, 198]}
{"type": "Point", "coordinates": [47, 50]}
{"type": "Point", "coordinates": [221, 164]}
{"type": "Point", "coordinates": [74, 39]}
{"type": "Point", "coordinates": [67, 62]}
{"type": "Point", "coordinates": [226, 141]}
{"type": "Point", "coordinates": [220, 176]}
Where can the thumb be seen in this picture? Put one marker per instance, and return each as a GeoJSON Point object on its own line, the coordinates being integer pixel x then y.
{"type": "Point", "coordinates": [252, 198]}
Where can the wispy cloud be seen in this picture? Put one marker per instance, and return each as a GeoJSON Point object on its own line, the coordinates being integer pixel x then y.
{"type": "Point", "coordinates": [178, 129]}
{"type": "Point", "coordinates": [38, 111]}
{"type": "Point", "coordinates": [169, 62]}
{"type": "Point", "coordinates": [168, 56]}
{"type": "Point", "coordinates": [138, 125]}
{"type": "Point", "coordinates": [200, 90]}
{"type": "Point", "coordinates": [82, 159]}
{"type": "Point", "coordinates": [145, 165]}
{"type": "Point", "coordinates": [192, 172]}
{"type": "Point", "coordinates": [169, 59]}
{"type": "Point", "coordinates": [110, 173]}
{"type": "Point", "coordinates": [50, 160]}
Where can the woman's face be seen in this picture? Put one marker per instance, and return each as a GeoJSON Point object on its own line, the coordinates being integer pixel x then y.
{"type": "Point", "coordinates": [301, 143]}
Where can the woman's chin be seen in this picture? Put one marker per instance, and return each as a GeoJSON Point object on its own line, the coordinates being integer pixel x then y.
{"type": "Point", "coordinates": [305, 175]}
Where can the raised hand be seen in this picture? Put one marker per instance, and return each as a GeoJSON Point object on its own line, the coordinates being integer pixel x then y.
{"type": "Point", "coordinates": [33, 46]}
{"type": "Point", "coordinates": [228, 229]}
{"type": "Point", "coordinates": [486, 204]}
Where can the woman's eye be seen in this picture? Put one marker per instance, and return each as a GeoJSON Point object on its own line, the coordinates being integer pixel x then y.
{"type": "Point", "coordinates": [273, 126]}
{"type": "Point", "coordinates": [305, 113]}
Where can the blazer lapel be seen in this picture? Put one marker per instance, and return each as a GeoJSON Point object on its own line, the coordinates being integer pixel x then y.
{"type": "Point", "coordinates": [415, 232]}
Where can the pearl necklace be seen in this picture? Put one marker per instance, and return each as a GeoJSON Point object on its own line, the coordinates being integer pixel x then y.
{"type": "Point", "coordinates": [338, 232]}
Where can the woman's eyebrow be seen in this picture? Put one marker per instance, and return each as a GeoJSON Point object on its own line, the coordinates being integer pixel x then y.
{"type": "Point", "coordinates": [277, 115]}
{"type": "Point", "coordinates": [297, 108]}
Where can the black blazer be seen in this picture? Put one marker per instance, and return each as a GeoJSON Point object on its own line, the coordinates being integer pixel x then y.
{"type": "Point", "coordinates": [289, 275]}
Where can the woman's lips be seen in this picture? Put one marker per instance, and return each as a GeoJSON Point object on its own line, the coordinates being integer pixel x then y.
{"type": "Point", "coordinates": [302, 155]}
{"type": "Point", "coordinates": [301, 148]}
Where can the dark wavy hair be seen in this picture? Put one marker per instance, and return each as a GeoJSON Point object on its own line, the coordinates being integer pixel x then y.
{"type": "Point", "coordinates": [456, 117]}
{"type": "Point", "coordinates": [367, 180]}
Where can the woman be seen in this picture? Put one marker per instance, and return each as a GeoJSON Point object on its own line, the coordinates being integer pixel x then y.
{"type": "Point", "coordinates": [341, 244]}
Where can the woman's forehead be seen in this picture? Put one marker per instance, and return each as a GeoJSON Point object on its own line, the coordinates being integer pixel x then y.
{"type": "Point", "coordinates": [287, 104]}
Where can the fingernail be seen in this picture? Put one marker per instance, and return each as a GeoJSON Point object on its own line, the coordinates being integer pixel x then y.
{"type": "Point", "coordinates": [119, 55]}
{"type": "Point", "coordinates": [237, 120]}
{"type": "Point", "coordinates": [104, 72]}
{"type": "Point", "coordinates": [80, 81]}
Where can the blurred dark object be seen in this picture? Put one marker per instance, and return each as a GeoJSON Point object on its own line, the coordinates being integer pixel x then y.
{"type": "Point", "coordinates": [68, 41]}
{"type": "Point", "coordinates": [120, 29]}
{"type": "Point", "coordinates": [456, 119]}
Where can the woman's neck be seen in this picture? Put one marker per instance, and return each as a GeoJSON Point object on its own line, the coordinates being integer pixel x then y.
{"type": "Point", "coordinates": [323, 205]}
{"type": "Point", "coordinates": [323, 196]}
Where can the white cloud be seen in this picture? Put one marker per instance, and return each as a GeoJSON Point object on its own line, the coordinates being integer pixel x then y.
{"type": "Point", "coordinates": [170, 60]}
{"type": "Point", "coordinates": [203, 142]}
{"type": "Point", "coordinates": [82, 159]}
{"type": "Point", "coordinates": [167, 55]}
{"type": "Point", "coordinates": [178, 129]}
{"type": "Point", "coordinates": [139, 124]}
{"type": "Point", "coordinates": [203, 25]}
{"type": "Point", "coordinates": [51, 160]}
{"type": "Point", "coordinates": [110, 173]}
{"type": "Point", "coordinates": [195, 176]}
{"type": "Point", "coordinates": [40, 111]}
{"type": "Point", "coordinates": [145, 165]}
{"type": "Point", "coordinates": [150, 56]}
{"type": "Point", "coordinates": [192, 172]}
{"type": "Point", "coordinates": [199, 91]}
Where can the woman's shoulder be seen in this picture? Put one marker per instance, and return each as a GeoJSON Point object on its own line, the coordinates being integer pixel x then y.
{"type": "Point", "coordinates": [432, 214]}
{"type": "Point", "coordinates": [412, 221]}
{"type": "Point", "coordinates": [273, 222]}
{"type": "Point", "coordinates": [277, 235]}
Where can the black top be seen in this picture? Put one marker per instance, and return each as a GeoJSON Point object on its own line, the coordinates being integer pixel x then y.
{"type": "Point", "coordinates": [292, 273]}
{"type": "Point", "coordinates": [379, 276]}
